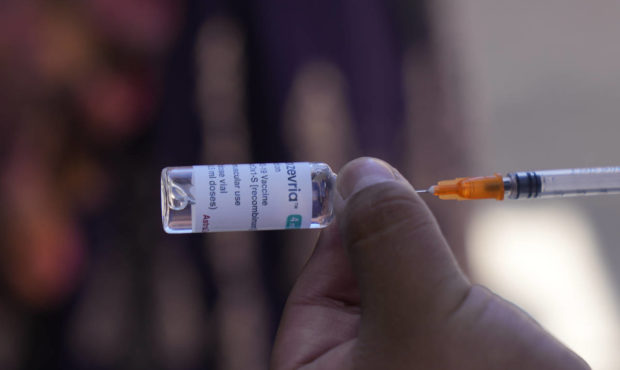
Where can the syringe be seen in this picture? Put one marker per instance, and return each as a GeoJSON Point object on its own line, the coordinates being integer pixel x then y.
{"type": "Point", "coordinates": [531, 184]}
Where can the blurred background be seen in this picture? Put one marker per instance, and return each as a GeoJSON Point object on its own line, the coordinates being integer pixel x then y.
{"type": "Point", "coordinates": [96, 96]}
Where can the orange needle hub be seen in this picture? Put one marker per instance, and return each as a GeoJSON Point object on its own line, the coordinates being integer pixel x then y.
{"type": "Point", "coordinates": [465, 188]}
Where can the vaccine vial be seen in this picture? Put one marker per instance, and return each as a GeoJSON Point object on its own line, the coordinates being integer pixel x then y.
{"type": "Point", "coordinates": [256, 196]}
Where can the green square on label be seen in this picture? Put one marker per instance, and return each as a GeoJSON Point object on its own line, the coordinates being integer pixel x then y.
{"type": "Point", "coordinates": [293, 222]}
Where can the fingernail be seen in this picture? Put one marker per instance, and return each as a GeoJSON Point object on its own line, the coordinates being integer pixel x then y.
{"type": "Point", "coordinates": [361, 173]}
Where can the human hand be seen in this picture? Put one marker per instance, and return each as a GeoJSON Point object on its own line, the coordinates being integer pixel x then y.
{"type": "Point", "coordinates": [382, 290]}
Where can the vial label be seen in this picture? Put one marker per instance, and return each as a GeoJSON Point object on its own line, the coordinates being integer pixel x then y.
{"type": "Point", "coordinates": [257, 196]}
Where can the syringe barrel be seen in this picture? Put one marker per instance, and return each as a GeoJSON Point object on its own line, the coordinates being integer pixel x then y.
{"type": "Point", "coordinates": [564, 183]}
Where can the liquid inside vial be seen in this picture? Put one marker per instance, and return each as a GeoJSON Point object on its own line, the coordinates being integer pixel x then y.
{"type": "Point", "coordinates": [259, 196]}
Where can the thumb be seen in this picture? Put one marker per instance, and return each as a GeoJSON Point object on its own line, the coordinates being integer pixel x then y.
{"type": "Point", "coordinates": [403, 265]}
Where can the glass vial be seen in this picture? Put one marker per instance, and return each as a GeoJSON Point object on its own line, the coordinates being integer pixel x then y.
{"type": "Point", "coordinates": [257, 196]}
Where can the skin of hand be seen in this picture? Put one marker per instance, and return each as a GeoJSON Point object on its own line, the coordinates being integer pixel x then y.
{"type": "Point", "coordinates": [382, 290]}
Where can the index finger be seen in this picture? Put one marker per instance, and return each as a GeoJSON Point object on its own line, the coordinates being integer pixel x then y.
{"type": "Point", "coordinates": [322, 312]}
